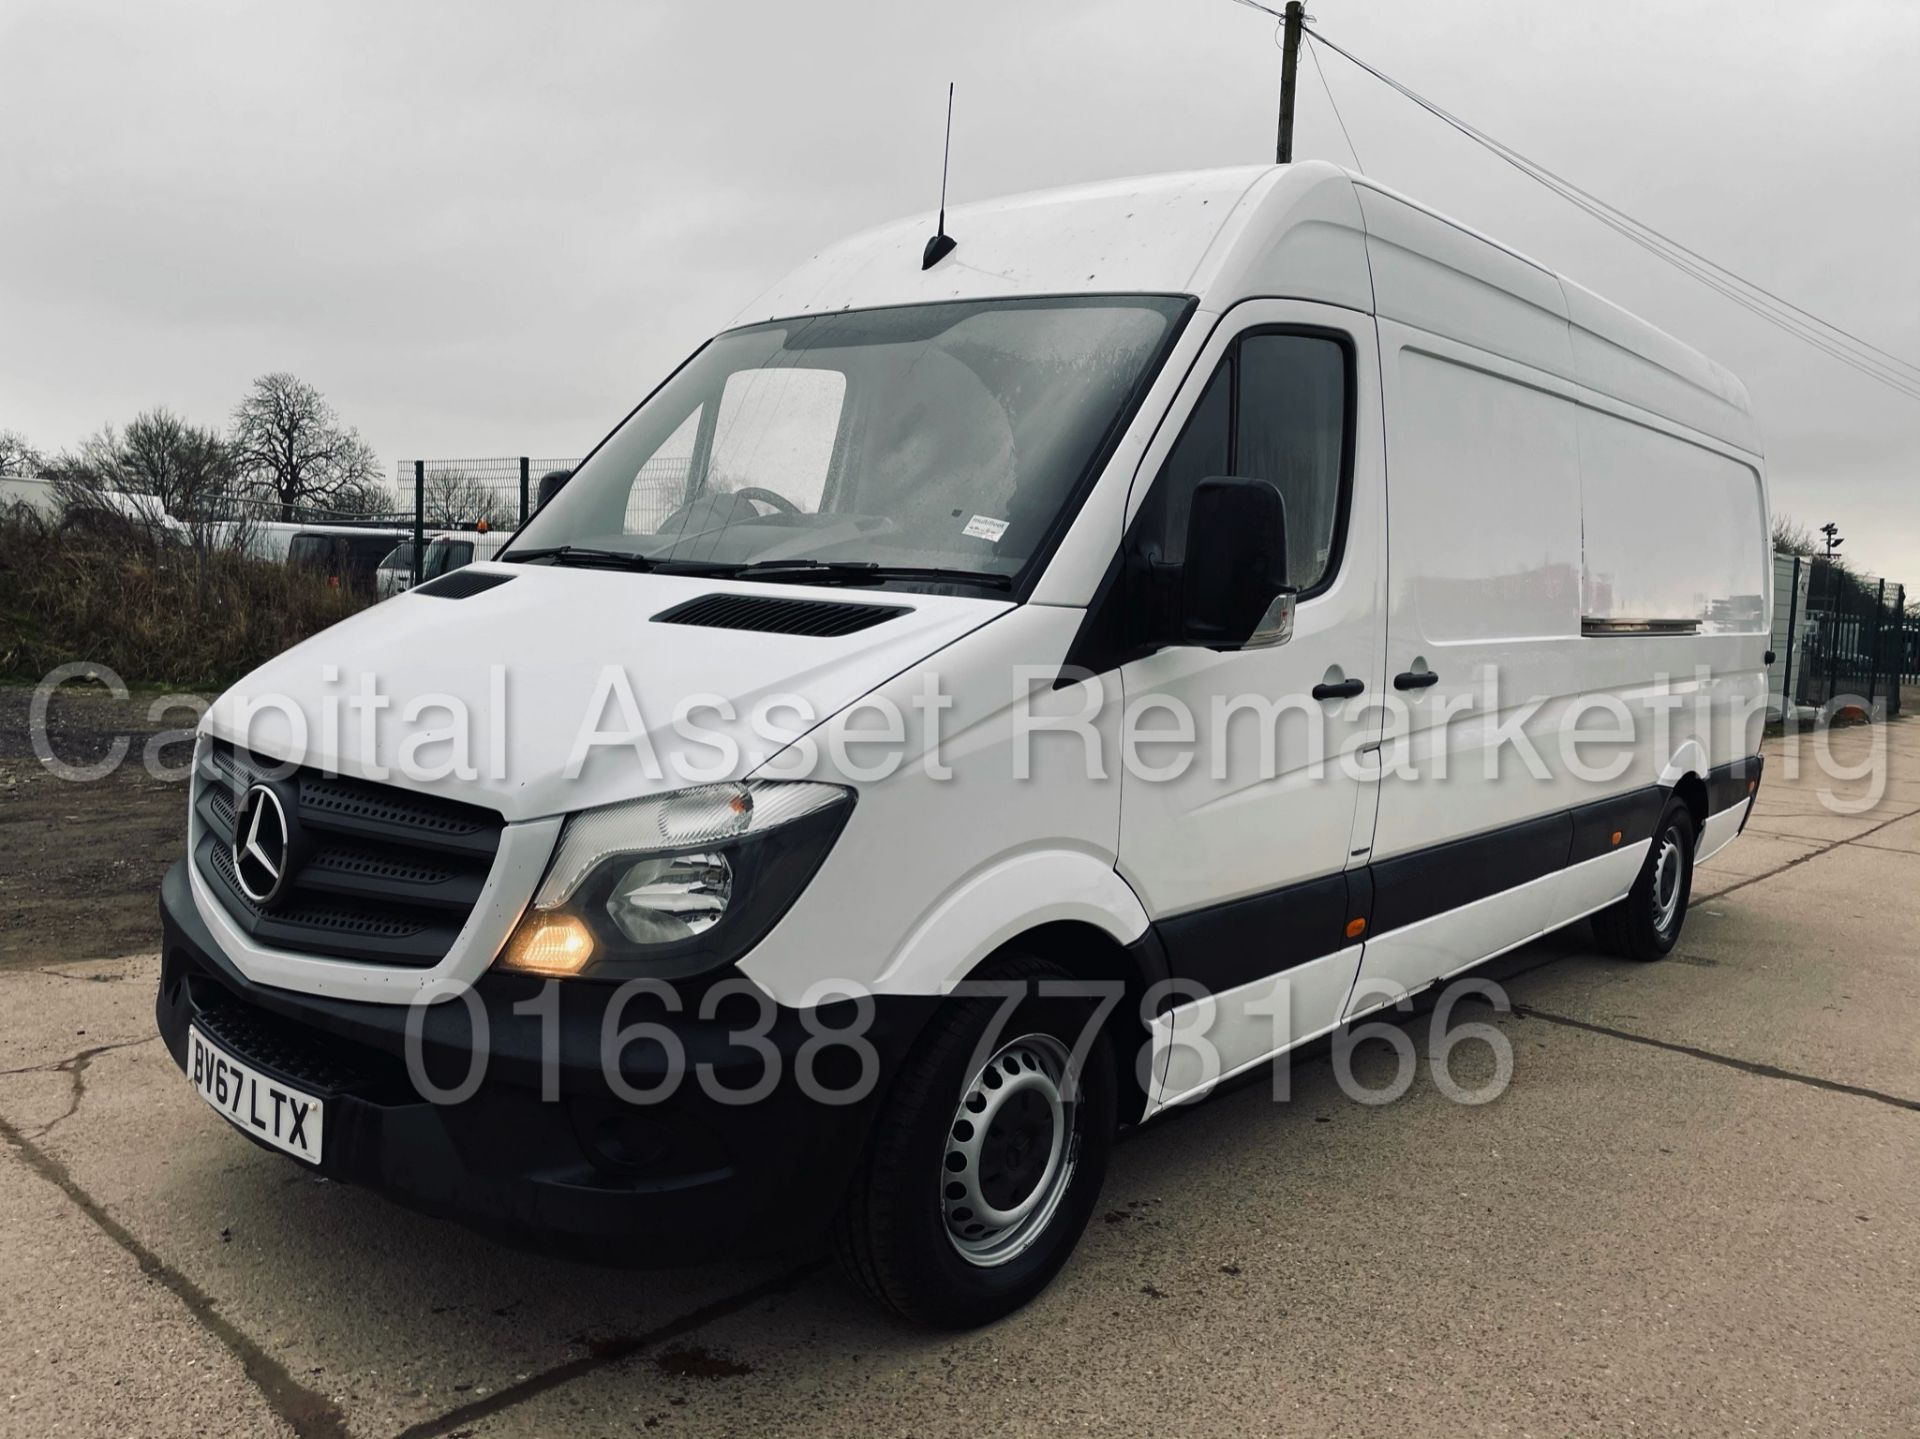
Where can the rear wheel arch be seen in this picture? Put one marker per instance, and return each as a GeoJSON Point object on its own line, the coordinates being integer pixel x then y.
{"type": "Point", "coordinates": [1645, 924]}
{"type": "Point", "coordinates": [1691, 790]}
{"type": "Point", "coordinates": [1685, 777]}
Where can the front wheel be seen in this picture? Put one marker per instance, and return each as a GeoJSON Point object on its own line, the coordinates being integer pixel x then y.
{"type": "Point", "coordinates": [986, 1159]}
{"type": "Point", "coordinates": [1646, 924]}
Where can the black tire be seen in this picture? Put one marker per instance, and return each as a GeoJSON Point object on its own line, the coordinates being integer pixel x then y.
{"type": "Point", "coordinates": [1646, 924]}
{"type": "Point", "coordinates": [893, 1232]}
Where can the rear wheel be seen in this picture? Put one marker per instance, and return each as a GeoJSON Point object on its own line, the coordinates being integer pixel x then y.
{"type": "Point", "coordinates": [986, 1159]}
{"type": "Point", "coordinates": [1646, 924]}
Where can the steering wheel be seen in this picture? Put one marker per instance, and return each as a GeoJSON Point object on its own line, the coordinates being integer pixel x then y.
{"type": "Point", "coordinates": [779, 501]}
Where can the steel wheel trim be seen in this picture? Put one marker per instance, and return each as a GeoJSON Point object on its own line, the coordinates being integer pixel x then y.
{"type": "Point", "coordinates": [1669, 866]}
{"type": "Point", "coordinates": [1011, 1151]}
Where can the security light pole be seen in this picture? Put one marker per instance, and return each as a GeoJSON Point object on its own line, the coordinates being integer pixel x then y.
{"type": "Point", "coordinates": [1832, 532]}
{"type": "Point", "coordinates": [1831, 639]}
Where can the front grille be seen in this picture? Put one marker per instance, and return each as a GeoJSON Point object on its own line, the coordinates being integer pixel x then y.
{"type": "Point", "coordinates": [375, 804]}
{"type": "Point", "coordinates": [359, 859]}
{"type": "Point", "coordinates": [374, 873]}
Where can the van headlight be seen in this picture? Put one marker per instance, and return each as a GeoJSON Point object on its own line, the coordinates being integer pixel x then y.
{"type": "Point", "coordinates": [675, 884]}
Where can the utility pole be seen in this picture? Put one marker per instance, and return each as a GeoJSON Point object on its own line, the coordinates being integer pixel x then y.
{"type": "Point", "coordinates": [1289, 65]}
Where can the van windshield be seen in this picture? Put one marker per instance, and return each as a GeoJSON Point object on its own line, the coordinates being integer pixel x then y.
{"type": "Point", "coordinates": [951, 437]}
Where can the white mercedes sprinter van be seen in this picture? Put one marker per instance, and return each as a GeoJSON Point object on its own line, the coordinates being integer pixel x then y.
{"type": "Point", "coordinates": [993, 692]}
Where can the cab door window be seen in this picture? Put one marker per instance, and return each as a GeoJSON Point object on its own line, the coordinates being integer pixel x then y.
{"type": "Point", "coordinates": [1279, 408]}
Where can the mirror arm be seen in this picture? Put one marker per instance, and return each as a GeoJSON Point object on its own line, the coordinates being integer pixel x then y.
{"type": "Point", "coordinates": [1153, 588]}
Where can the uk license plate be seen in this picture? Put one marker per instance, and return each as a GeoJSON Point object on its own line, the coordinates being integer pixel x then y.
{"type": "Point", "coordinates": [267, 1109]}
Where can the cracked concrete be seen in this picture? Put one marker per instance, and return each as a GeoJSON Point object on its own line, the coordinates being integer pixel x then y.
{"type": "Point", "coordinates": [1692, 1211]}
{"type": "Point", "coordinates": [75, 1068]}
{"type": "Point", "coordinates": [92, 1344]}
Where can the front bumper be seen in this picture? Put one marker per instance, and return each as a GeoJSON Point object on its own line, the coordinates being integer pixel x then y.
{"type": "Point", "coordinates": [543, 1154]}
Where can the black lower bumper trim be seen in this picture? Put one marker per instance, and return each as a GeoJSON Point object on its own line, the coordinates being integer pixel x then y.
{"type": "Point", "coordinates": [585, 1172]}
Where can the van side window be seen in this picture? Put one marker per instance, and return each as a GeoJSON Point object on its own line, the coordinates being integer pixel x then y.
{"type": "Point", "coordinates": [1291, 431]}
{"type": "Point", "coordinates": [1275, 410]}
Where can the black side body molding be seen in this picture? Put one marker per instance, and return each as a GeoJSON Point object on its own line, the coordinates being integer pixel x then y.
{"type": "Point", "coordinates": [1223, 946]}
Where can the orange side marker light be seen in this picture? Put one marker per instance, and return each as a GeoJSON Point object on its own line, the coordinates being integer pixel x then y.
{"type": "Point", "coordinates": [1616, 836]}
{"type": "Point", "coordinates": [1356, 928]}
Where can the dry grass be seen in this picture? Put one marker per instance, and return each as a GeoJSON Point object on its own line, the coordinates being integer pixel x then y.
{"type": "Point", "coordinates": [152, 609]}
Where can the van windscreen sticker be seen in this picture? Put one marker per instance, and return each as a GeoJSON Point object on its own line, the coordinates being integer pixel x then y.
{"type": "Point", "coordinates": [985, 527]}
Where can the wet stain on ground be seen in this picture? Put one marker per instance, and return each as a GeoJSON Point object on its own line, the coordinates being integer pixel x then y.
{"type": "Point", "coordinates": [608, 1346]}
{"type": "Point", "coordinates": [691, 1361]}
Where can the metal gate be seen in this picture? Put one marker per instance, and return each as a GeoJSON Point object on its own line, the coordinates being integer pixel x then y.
{"type": "Point", "coordinates": [1855, 643]}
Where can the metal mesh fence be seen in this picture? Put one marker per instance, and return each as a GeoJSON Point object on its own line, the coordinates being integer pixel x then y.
{"type": "Point", "coordinates": [498, 492]}
{"type": "Point", "coordinates": [658, 490]}
{"type": "Point", "coordinates": [491, 495]}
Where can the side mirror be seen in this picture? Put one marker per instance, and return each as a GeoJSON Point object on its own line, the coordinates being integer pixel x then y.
{"type": "Point", "coordinates": [550, 485]}
{"type": "Point", "coordinates": [1233, 585]}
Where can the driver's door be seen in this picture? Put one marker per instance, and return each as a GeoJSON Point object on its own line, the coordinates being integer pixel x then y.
{"type": "Point", "coordinates": [1243, 858]}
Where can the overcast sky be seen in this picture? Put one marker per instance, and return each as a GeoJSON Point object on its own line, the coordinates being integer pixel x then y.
{"type": "Point", "coordinates": [487, 228]}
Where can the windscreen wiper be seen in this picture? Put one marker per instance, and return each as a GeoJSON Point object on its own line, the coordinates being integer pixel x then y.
{"type": "Point", "coordinates": [580, 555]}
{"type": "Point", "coordinates": [861, 572]}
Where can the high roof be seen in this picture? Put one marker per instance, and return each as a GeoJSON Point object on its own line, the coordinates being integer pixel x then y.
{"type": "Point", "coordinates": [1151, 234]}
{"type": "Point", "coordinates": [1300, 231]}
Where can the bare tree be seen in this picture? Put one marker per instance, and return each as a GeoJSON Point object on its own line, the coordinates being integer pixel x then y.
{"type": "Point", "coordinates": [189, 470]}
{"type": "Point", "coordinates": [290, 444]}
{"type": "Point", "coordinates": [367, 497]}
{"type": "Point", "coordinates": [1790, 537]}
{"type": "Point", "coordinates": [454, 497]}
{"type": "Point", "coordinates": [18, 459]}
{"type": "Point", "coordinates": [86, 478]}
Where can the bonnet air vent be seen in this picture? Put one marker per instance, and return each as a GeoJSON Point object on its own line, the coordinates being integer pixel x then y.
{"type": "Point", "coordinates": [824, 618]}
{"type": "Point", "coordinates": [461, 584]}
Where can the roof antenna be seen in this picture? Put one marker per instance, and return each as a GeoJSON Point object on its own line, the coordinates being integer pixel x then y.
{"type": "Point", "coordinates": [941, 245]}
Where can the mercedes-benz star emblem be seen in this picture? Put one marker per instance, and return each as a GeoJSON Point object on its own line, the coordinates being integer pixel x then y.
{"type": "Point", "coordinates": [260, 845]}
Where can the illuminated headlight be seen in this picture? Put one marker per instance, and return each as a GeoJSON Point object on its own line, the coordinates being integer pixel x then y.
{"type": "Point", "coordinates": [677, 884]}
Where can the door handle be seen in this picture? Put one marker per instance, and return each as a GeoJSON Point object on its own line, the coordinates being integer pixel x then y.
{"type": "Point", "coordinates": [1345, 690]}
{"type": "Point", "coordinates": [1415, 679]}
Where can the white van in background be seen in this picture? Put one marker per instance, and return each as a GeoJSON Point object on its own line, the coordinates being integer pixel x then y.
{"type": "Point", "coordinates": [456, 549]}
{"type": "Point", "coordinates": [1223, 560]}
{"type": "Point", "coordinates": [35, 492]}
{"type": "Point", "coordinates": [446, 551]}
{"type": "Point", "coordinates": [395, 575]}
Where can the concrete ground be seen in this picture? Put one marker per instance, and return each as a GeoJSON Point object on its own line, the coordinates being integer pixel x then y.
{"type": "Point", "coordinates": [1696, 1209]}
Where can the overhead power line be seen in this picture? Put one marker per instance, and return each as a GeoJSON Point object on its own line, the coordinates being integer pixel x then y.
{"type": "Point", "coordinates": [1889, 369]}
{"type": "Point", "coordinates": [1334, 105]}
